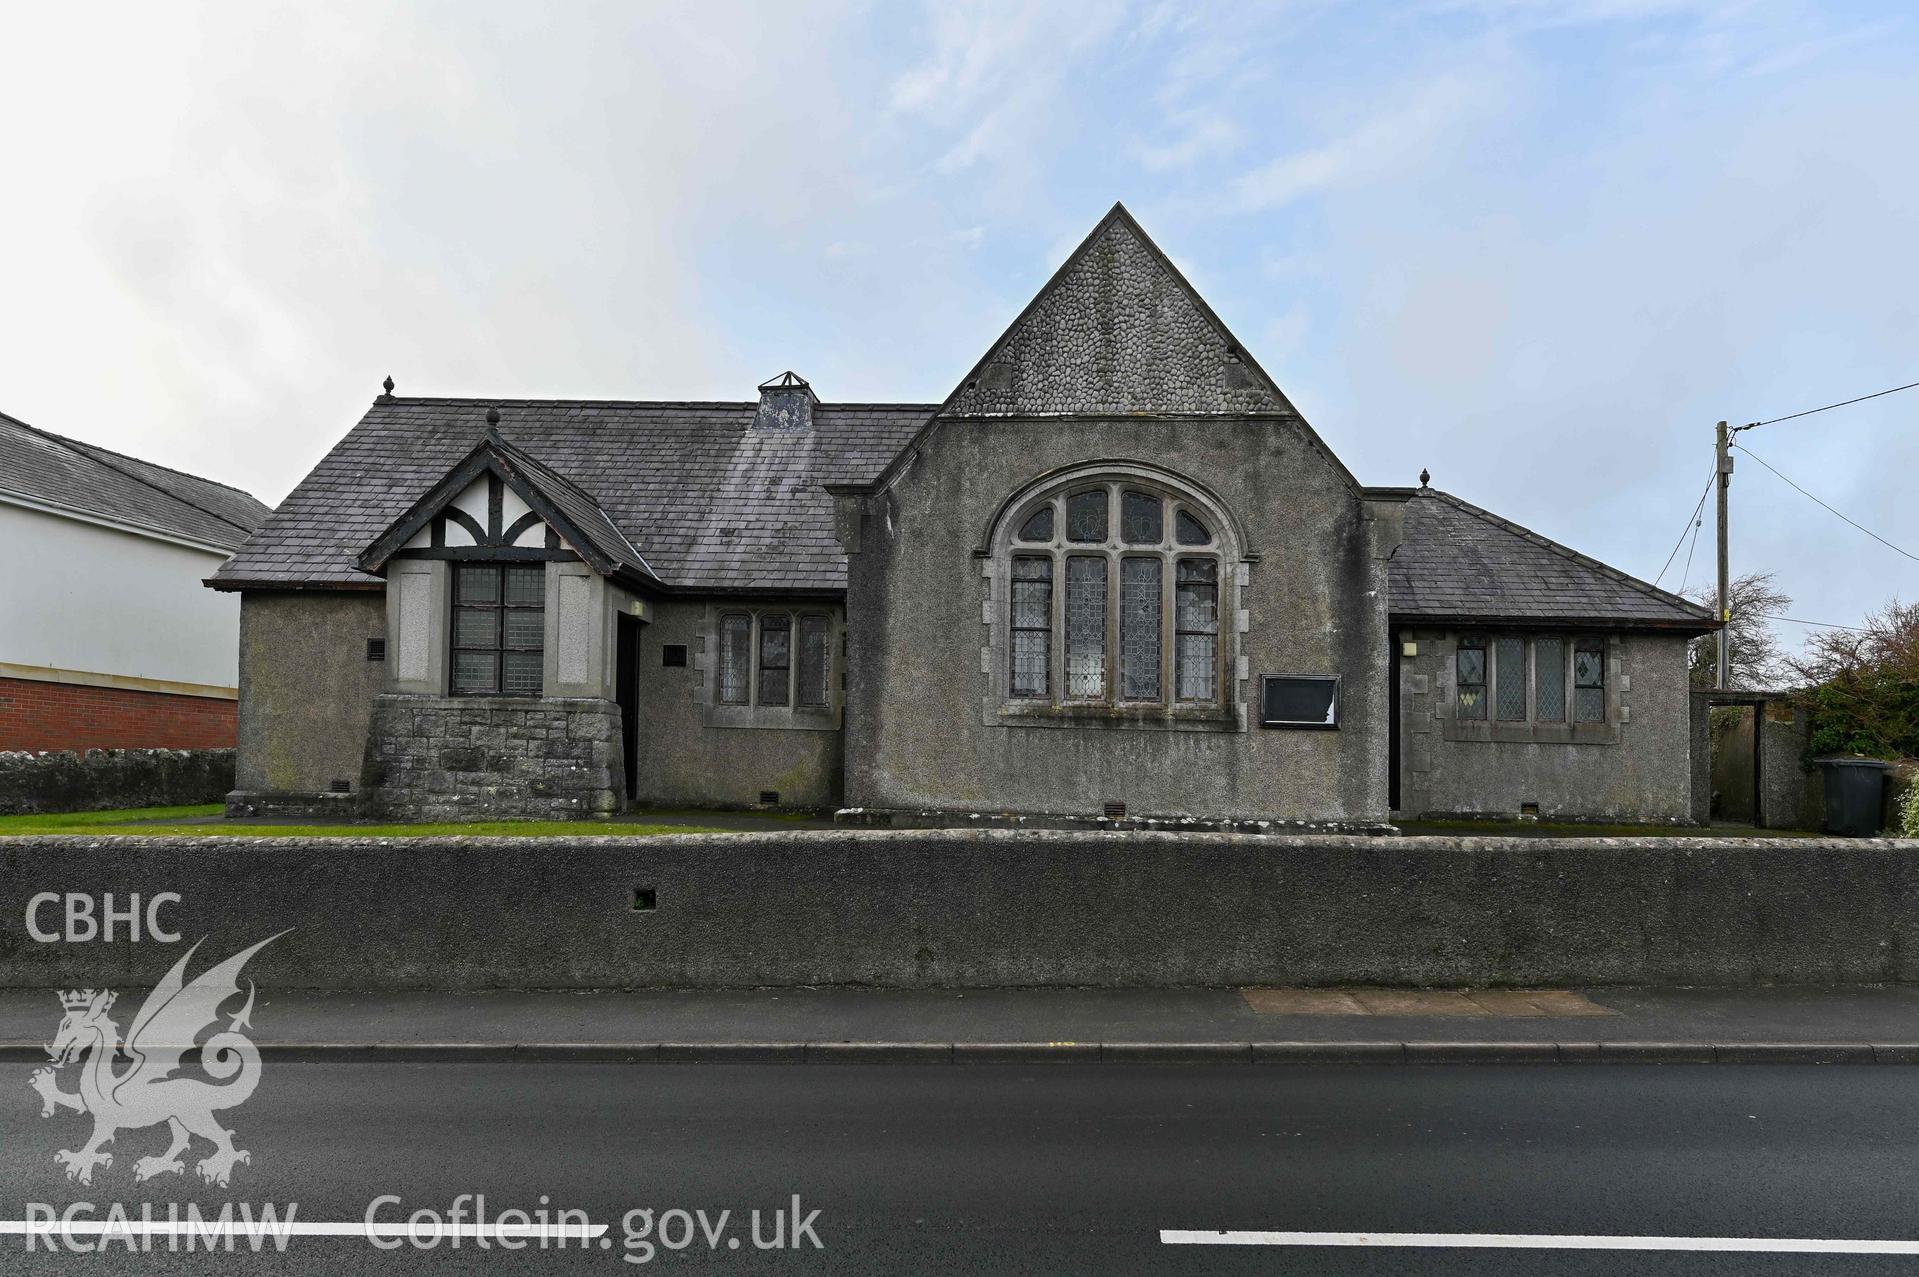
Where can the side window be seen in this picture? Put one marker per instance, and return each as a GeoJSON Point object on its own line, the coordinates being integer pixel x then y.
{"type": "Point", "coordinates": [1509, 679]}
{"type": "Point", "coordinates": [1549, 680]}
{"type": "Point", "coordinates": [1589, 681]}
{"type": "Point", "coordinates": [1469, 677]}
{"type": "Point", "coordinates": [736, 642]}
{"type": "Point", "coordinates": [1139, 628]}
{"type": "Point", "coordinates": [1196, 618]}
{"type": "Point", "coordinates": [1085, 626]}
{"type": "Point", "coordinates": [776, 659]}
{"type": "Point", "coordinates": [813, 681]}
{"type": "Point", "coordinates": [1032, 620]}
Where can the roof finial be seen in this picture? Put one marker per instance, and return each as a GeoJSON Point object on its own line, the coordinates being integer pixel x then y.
{"type": "Point", "coordinates": [1425, 476]}
{"type": "Point", "coordinates": [388, 383]}
{"type": "Point", "coordinates": [493, 423]}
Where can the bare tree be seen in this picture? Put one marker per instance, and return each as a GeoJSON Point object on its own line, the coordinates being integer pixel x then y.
{"type": "Point", "coordinates": [1757, 662]}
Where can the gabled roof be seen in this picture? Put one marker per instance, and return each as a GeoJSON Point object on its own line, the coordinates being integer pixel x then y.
{"type": "Point", "coordinates": [1460, 563]}
{"type": "Point", "coordinates": [51, 470]}
{"type": "Point", "coordinates": [571, 513]}
{"type": "Point", "coordinates": [1118, 331]}
{"type": "Point", "coordinates": [708, 502]}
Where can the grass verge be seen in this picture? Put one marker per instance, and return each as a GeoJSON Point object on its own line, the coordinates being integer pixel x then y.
{"type": "Point", "coordinates": [178, 823]}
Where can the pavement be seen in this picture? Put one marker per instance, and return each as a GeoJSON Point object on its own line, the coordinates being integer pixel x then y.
{"type": "Point", "coordinates": [1027, 1169]}
{"type": "Point", "coordinates": [1790, 1024]}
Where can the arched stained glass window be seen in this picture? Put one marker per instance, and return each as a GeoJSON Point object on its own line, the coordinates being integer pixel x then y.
{"type": "Point", "coordinates": [1138, 569]}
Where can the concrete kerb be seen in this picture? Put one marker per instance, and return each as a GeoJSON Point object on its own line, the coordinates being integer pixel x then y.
{"type": "Point", "coordinates": [1104, 1053]}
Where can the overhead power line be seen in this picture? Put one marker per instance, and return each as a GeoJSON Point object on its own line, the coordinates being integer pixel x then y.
{"type": "Point", "coordinates": [1822, 625]}
{"type": "Point", "coordinates": [1827, 408]}
{"type": "Point", "coordinates": [1862, 527]}
{"type": "Point", "coordinates": [1691, 520]}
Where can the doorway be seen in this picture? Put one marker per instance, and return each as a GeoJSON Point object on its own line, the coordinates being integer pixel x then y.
{"type": "Point", "coordinates": [1736, 729]}
{"type": "Point", "coordinates": [626, 694]}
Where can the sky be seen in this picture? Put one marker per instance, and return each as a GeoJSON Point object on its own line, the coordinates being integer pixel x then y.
{"type": "Point", "coordinates": [1537, 248]}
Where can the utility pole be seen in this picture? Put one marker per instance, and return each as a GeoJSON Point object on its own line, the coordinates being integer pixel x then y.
{"type": "Point", "coordinates": [1724, 454]}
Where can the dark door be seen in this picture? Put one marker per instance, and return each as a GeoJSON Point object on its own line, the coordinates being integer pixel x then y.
{"type": "Point", "coordinates": [626, 692]}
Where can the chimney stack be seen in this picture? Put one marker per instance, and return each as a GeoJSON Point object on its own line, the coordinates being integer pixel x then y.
{"type": "Point", "coordinates": [786, 403]}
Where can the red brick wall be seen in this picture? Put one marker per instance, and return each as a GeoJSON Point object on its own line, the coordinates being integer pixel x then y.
{"type": "Point", "coordinates": [45, 716]}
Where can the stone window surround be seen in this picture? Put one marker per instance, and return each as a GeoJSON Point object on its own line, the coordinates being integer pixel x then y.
{"type": "Point", "coordinates": [789, 717]}
{"type": "Point", "coordinates": [999, 708]}
{"type": "Point", "coordinates": [579, 607]}
{"type": "Point", "coordinates": [1491, 729]}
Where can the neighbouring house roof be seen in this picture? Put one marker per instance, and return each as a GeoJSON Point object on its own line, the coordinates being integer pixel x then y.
{"type": "Point", "coordinates": [1460, 563]}
{"type": "Point", "coordinates": [95, 483]}
{"type": "Point", "coordinates": [706, 500]}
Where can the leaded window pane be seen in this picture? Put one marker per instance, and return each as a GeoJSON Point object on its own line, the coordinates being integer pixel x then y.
{"type": "Point", "coordinates": [1198, 607]}
{"type": "Point", "coordinates": [479, 585]}
{"type": "Point", "coordinates": [1589, 684]}
{"type": "Point", "coordinates": [522, 676]}
{"type": "Point", "coordinates": [475, 627]}
{"type": "Point", "coordinates": [525, 628]}
{"type": "Point", "coordinates": [1086, 626]}
{"type": "Point", "coordinates": [1469, 677]}
{"type": "Point", "coordinates": [1139, 618]}
{"type": "Point", "coordinates": [1031, 653]}
{"type": "Point", "coordinates": [736, 638]}
{"type": "Point", "coordinates": [815, 661]}
{"type": "Point", "coordinates": [1509, 673]}
{"type": "Point", "coordinates": [1142, 518]}
{"type": "Point", "coordinates": [1549, 680]}
{"type": "Point", "coordinates": [525, 587]}
{"type": "Point", "coordinates": [1086, 517]}
{"type": "Point", "coordinates": [1038, 525]}
{"type": "Point", "coordinates": [474, 671]}
{"type": "Point", "coordinates": [776, 658]}
{"type": "Point", "coordinates": [1032, 625]}
{"type": "Point", "coordinates": [1196, 620]}
{"type": "Point", "coordinates": [1188, 530]}
{"type": "Point", "coordinates": [1198, 667]}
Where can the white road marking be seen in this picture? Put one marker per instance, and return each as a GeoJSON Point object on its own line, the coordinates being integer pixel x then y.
{"type": "Point", "coordinates": [248, 1229]}
{"type": "Point", "coordinates": [1542, 1241]}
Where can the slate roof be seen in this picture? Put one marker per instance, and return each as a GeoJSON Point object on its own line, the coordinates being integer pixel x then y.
{"type": "Point", "coordinates": [1459, 562]}
{"type": "Point", "coordinates": [53, 470]}
{"type": "Point", "coordinates": [710, 503]}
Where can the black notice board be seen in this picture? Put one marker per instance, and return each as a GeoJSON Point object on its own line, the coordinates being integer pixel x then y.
{"type": "Point", "coordinates": [1299, 700]}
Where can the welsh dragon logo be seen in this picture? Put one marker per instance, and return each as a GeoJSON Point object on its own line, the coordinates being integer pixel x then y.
{"type": "Point", "coordinates": [147, 1093]}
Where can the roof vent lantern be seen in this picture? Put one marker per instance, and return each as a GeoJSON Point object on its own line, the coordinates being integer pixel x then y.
{"type": "Point", "coordinates": [786, 403]}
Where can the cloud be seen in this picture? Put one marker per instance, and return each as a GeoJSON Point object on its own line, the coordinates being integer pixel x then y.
{"type": "Point", "coordinates": [1374, 148]}
{"type": "Point", "coordinates": [1196, 137]}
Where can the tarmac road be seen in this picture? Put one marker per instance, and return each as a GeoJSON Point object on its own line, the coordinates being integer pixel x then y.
{"type": "Point", "coordinates": [1041, 1169]}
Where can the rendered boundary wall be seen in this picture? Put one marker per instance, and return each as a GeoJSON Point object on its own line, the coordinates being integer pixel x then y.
{"type": "Point", "coordinates": [965, 908]}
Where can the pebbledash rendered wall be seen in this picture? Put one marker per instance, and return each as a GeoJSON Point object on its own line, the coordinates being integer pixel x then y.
{"type": "Point", "coordinates": [1635, 767]}
{"type": "Point", "coordinates": [974, 908]}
